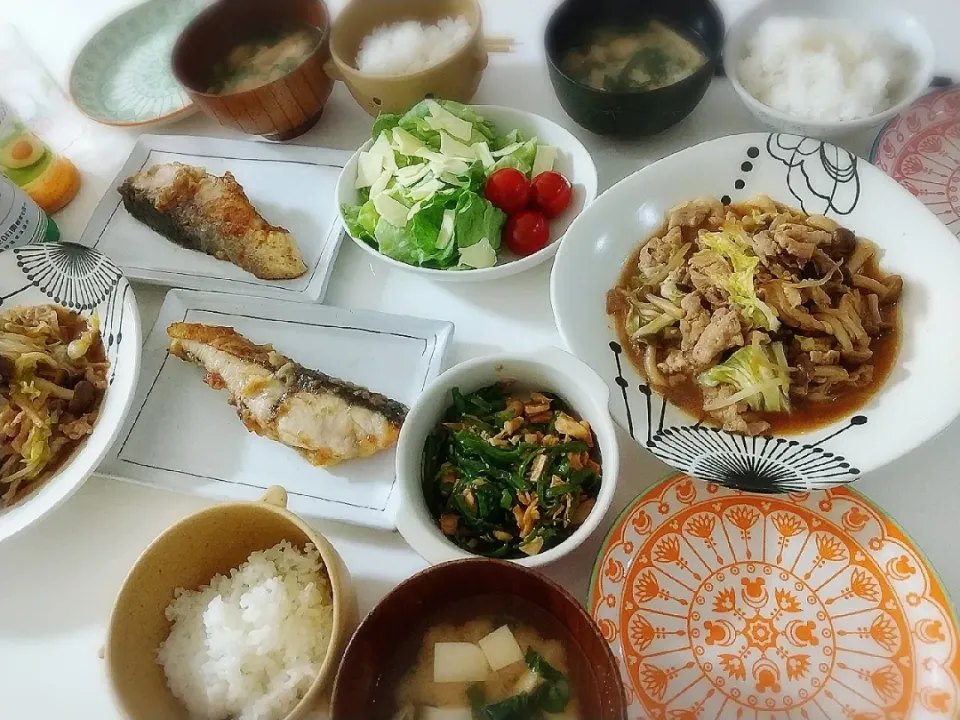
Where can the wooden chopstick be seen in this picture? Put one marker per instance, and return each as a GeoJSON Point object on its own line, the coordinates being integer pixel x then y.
{"type": "Point", "coordinates": [499, 44]}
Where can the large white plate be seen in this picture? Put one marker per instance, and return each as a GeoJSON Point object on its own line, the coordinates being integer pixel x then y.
{"type": "Point", "coordinates": [919, 399]}
{"type": "Point", "coordinates": [290, 185]}
{"type": "Point", "coordinates": [182, 434]}
{"type": "Point", "coordinates": [84, 281]}
{"type": "Point", "coordinates": [573, 162]}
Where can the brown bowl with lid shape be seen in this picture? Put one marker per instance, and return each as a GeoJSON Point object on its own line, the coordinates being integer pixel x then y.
{"type": "Point", "coordinates": [278, 110]}
{"type": "Point", "coordinates": [188, 555]}
{"type": "Point", "coordinates": [381, 645]}
{"type": "Point", "coordinates": [455, 78]}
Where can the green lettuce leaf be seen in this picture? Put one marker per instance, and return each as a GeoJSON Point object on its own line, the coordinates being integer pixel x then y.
{"type": "Point", "coordinates": [522, 158]}
{"type": "Point", "coordinates": [384, 121]}
{"type": "Point", "coordinates": [361, 221]}
{"type": "Point", "coordinates": [416, 242]}
{"type": "Point", "coordinates": [476, 218]}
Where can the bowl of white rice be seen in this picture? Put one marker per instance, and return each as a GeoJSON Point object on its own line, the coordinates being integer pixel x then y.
{"type": "Point", "coordinates": [391, 55]}
{"type": "Point", "coordinates": [827, 68]}
{"type": "Point", "coordinates": [240, 611]}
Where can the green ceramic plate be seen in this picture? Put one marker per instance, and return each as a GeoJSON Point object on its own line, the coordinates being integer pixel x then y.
{"type": "Point", "coordinates": [123, 74]}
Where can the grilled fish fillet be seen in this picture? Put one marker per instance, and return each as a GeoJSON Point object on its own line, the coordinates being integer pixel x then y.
{"type": "Point", "coordinates": [211, 214]}
{"type": "Point", "coordinates": [324, 419]}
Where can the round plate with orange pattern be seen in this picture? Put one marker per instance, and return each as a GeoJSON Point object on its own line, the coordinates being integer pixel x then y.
{"type": "Point", "coordinates": [721, 604]}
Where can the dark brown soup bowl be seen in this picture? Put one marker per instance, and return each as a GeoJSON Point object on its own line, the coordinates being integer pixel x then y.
{"type": "Point", "coordinates": [631, 113]}
{"type": "Point", "coordinates": [364, 683]}
{"type": "Point", "coordinates": [278, 110]}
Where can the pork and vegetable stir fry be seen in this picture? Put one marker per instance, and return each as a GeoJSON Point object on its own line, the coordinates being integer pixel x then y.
{"type": "Point", "coordinates": [510, 472]}
{"type": "Point", "coordinates": [53, 376]}
{"type": "Point", "coordinates": [755, 309]}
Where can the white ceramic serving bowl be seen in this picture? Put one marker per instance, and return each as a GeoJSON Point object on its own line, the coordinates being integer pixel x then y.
{"type": "Point", "coordinates": [573, 162]}
{"type": "Point", "coordinates": [919, 398]}
{"type": "Point", "coordinates": [84, 281]}
{"type": "Point", "coordinates": [885, 15]}
{"type": "Point", "coordinates": [549, 369]}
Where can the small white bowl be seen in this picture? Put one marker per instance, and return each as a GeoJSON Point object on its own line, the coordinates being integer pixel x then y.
{"type": "Point", "coordinates": [573, 162]}
{"type": "Point", "coordinates": [549, 369]}
{"type": "Point", "coordinates": [876, 14]}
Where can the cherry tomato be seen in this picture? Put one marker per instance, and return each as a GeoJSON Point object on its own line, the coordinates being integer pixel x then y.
{"type": "Point", "coordinates": [551, 193]}
{"type": "Point", "coordinates": [508, 190]}
{"type": "Point", "coordinates": [526, 232]}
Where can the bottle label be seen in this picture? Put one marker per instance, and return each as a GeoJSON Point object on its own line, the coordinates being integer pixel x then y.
{"type": "Point", "coordinates": [21, 220]}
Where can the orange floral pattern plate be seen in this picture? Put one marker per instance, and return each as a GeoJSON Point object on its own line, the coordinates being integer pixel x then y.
{"type": "Point", "coordinates": [721, 604]}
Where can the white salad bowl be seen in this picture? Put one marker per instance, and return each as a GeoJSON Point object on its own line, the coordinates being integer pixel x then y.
{"type": "Point", "coordinates": [573, 162]}
{"type": "Point", "coordinates": [549, 369]}
{"type": "Point", "coordinates": [919, 398]}
{"type": "Point", "coordinates": [885, 15]}
{"type": "Point", "coordinates": [82, 280]}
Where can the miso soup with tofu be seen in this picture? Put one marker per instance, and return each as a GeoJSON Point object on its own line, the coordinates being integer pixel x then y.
{"type": "Point", "coordinates": [623, 59]}
{"type": "Point", "coordinates": [489, 658]}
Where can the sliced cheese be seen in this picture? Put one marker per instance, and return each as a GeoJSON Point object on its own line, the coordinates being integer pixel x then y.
{"type": "Point", "coordinates": [479, 255]}
{"type": "Point", "coordinates": [459, 662]}
{"type": "Point", "coordinates": [428, 712]}
{"type": "Point", "coordinates": [414, 210]}
{"type": "Point", "coordinates": [483, 154]}
{"type": "Point", "coordinates": [369, 167]}
{"type": "Point", "coordinates": [381, 146]}
{"type": "Point", "coordinates": [501, 648]}
{"type": "Point", "coordinates": [405, 143]}
{"type": "Point", "coordinates": [426, 190]}
{"type": "Point", "coordinates": [441, 119]}
{"type": "Point", "coordinates": [380, 184]}
{"type": "Point", "coordinates": [451, 147]}
{"type": "Point", "coordinates": [391, 210]}
{"type": "Point", "coordinates": [546, 157]}
{"type": "Point", "coordinates": [412, 174]}
{"type": "Point", "coordinates": [446, 229]}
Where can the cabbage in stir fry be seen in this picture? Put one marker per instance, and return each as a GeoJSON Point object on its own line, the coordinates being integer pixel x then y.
{"type": "Point", "coordinates": [52, 380]}
{"type": "Point", "coordinates": [758, 307]}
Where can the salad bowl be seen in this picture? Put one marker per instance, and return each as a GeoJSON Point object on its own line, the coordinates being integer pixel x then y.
{"type": "Point", "coordinates": [920, 396]}
{"type": "Point", "coordinates": [572, 161]}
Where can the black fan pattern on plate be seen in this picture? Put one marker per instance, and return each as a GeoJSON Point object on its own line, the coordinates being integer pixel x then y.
{"type": "Point", "coordinates": [74, 276]}
{"type": "Point", "coordinates": [757, 464]}
{"type": "Point", "coordinates": [821, 177]}
{"type": "Point", "coordinates": [81, 279]}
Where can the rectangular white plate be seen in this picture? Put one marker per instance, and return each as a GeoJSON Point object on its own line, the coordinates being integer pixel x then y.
{"type": "Point", "coordinates": [292, 186]}
{"type": "Point", "coordinates": [182, 435]}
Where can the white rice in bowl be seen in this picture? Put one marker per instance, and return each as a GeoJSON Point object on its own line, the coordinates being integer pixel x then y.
{"type": "Point", "coordinates": [825, 71]}
{"type": "Point", "coordinates": [250, 645]}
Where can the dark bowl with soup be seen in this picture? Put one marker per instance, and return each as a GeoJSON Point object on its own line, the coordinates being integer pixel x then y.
{"type": "Point", "coordinates": [258, 66]}
{"type": "Point", "coordinates": [631, 70]}
{"type": "Point", "coordinates": [483, 634]}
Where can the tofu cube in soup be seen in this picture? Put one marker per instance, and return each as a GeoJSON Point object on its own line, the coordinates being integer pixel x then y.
{"type": "Point", "coordinates": [501, 648]}
{"type": "Point", "coordinates": [459, 662]}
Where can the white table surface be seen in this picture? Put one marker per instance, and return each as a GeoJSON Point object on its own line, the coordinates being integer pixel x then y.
{"type": "Point", "coordinates": [58, 579]}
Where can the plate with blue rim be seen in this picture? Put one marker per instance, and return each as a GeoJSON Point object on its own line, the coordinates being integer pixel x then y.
{"type": "Point", "coordinates": [85, 282]}
{"type": "Point", "coordinates": [921, 394]}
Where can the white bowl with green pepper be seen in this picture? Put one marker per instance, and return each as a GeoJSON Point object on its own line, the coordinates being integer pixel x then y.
{"type": "Point", "coordinates": [509, 456]}
{"type": "Point", "coordinates": [414, 194]}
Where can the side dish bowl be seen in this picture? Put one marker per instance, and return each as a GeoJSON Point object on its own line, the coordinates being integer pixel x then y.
{"type": "Point", "coordinates": [881, 15]}
{"type": "Point", "coordinates": [278, 110]}
{"type": "Point", "coordinates": [85, 282]}
{"type": "Point", "coordinates": [547, 370]}
{"type": "Point", "coordinates": [359, 682]}
{"type": "Point", "coordinates": [817, 178]}
{"type": "Point", "coordinates": [633, 113]}
{"type": "Point", "coordinates": [187, 555]}
{"type": "Point", "coordinates": [573, 162]}
{"type": "Point", "coordinates": [454, 78]}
